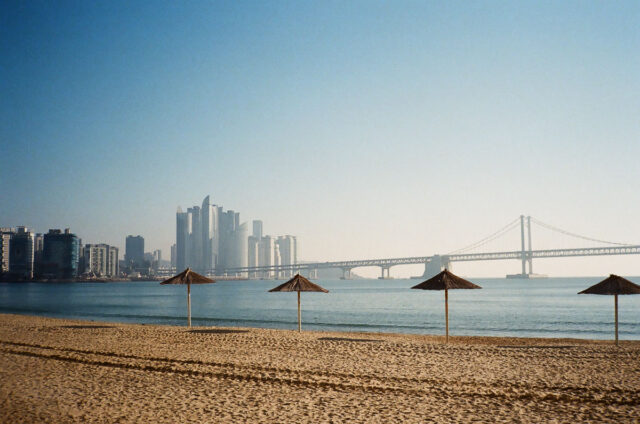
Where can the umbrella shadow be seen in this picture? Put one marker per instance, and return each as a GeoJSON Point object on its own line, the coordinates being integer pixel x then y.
{"type": "Point", "coordinates": [86, 326]}
{"type": "Point", "coordinates": [348, 339]}
{"type": "Point", "coordinates": [217, 331]}
{"type": "Point", "coordinates": [537, 347]}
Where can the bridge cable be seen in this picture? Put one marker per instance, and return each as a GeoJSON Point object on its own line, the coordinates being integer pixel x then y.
{"type": "Point", "coordinates": [510, 226]}
{"type": "Point", "coordinates": [559, 230]}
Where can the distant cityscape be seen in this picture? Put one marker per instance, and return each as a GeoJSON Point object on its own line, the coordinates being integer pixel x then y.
{"type": "Point", "coordinates": [208, 240]}
{"type": "Point", "coordinates": [211, 241]}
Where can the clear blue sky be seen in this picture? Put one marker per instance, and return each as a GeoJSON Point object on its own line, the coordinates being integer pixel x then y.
{"type": "Point", "coordinates": [367, 129]}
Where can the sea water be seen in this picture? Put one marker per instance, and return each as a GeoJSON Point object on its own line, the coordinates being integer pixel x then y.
{"type": "Point", "coordinates": [503, 307]}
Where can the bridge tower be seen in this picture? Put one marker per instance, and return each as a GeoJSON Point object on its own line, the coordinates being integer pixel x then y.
{"type": "Point", "coordinates": [436, 265]}
{"type": "Point", "coordinates": [526, 254]}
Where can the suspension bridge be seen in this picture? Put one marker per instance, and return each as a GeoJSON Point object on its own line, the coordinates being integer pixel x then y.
{"type": "Point", "coordinates": [436, 263]}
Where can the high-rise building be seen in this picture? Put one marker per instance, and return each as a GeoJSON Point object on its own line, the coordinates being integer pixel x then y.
{"type": "Point", "coordinates": [228, 223]}
{"type": "Point", "coordinates": [209, 224]}
{"type": "Point", "coordinates": [240, 247]}
{"type": "Point", "coordinates": [134, 251]}
{"type": "Point", "coordinates": [257, 229]}
{"type": "Point", "coordinates": [253, 247]}
{"type": "Point", "coordinates": [101, 259]}
{"type": "Point", "coordinates": [173, 255]}
{"type": "Point", "coordinates": [21, 253]}
{"type": "Point", "coordinates": [5, 241]}
{"type": "Point", "coordinates": [288, 249]}
{"type": "Point", "coordinates": [210, 239]}
{"type": "Point", "coordinates": [194, 258]}
{"type": "Point", "coordinates": [60, 254]}
{"type": "Point", "coordinates": [183, 235]}
{"type": "Point", "coordinates": [38, 246]}
{"type": "Point", "coordinates": [267, 254]}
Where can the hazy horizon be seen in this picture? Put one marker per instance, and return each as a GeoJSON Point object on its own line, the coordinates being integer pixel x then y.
{"type": "Point", "coordinates": [365, 129]}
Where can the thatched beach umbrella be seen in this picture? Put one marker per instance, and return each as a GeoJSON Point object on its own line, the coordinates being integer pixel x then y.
{"type": "Point", "coordinates": [613, 285]}
{"type": "Point", "coordinates": [446, 281]}
{"type": "Point", "coordinates": [188, 277]}
{"type": "Point", "coordinates": [299, 284]}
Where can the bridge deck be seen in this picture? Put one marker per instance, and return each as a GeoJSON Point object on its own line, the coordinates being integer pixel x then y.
{"type": "Point", "coordinates": [491, 256]}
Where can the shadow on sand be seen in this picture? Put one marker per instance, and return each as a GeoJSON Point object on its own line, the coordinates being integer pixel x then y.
{"type": "Point", "coordinates": [347, 339]}
{"type": "Point", "coordinates": [537, 347]}
{"type": "Point", "coordinates": [86, 326]}
{"type": "Point", "coordinates": [217, 331]}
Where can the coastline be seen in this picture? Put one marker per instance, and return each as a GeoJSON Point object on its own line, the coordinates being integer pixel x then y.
{"type": "Point", "coordinates": [62, 370]}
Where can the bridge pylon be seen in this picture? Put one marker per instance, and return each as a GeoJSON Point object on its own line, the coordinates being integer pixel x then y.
{"type": "Point", "coordinates": [526, 255]}
{"type": "Point", "coordinates": [346, 273]}
{"type": "Point", "coordinates": [435, 265]}
{"type": "Point", "coordinates": [384, 274]}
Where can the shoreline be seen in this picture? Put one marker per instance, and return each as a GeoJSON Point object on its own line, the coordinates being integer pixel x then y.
{"type": "Point", "coordinates": [469, 338]}
{"type": "Point", "coordinates": [61, 370]}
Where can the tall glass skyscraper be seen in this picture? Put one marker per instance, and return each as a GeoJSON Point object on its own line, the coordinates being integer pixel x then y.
{"type": "Point", "coordinates": [183, 235]}
{"type": "Point", "coordinates": [60, 254]}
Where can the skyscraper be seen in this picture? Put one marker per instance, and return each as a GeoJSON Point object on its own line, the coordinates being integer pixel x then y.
{"type": "Point", "coordinates": [173, 255]}
{"type": "Point", "coordinates": [210, 235]}
{"type": "Point", "coordinates": [194, 257]}
{"type": "Point", "coordinates": [5, 241]}
{"type": "Point", "coordinates": [183, 234]}
{"type": "Point", "coordinates": [267, 254]}
{"type": "Point", "coordinates": [60, 254]}
{"type": "Point", "coordinates": [288, 249]}
{"type": "Point", "coordinates": [257, 229]}
{"type": "Point", "coordinates": [134, 251]}
{"type": "Point", "coordinates": [21, 253]}
{"type": "Point", "coordinates": [210, 239]}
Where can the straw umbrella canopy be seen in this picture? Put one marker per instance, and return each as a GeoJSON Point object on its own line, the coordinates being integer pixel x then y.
{"type": "Point", "coordinates": [188, 277]}
{"type": "Point", "coordinates": [613, 285]}
{"type": "Point", "coordinates": [446, 281]}
{"type": "Point", "coordinates": [299, 284]}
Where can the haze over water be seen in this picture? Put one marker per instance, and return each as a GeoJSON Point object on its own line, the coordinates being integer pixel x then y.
{"type": "Point", "coordinates": [519, 308]}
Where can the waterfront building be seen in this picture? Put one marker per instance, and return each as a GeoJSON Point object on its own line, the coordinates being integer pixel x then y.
{"type": "Point", "coordinates": [194, 257]}
{"type": "Point", "coordinates": [173, 255]}
{"type": "Point", "coordinates": [5, 241]}
{"type": "Point", "coordinates": [60, 254]}
{"type": "Point", "coordinates": [288, 250]}
{"type": "Point", "coordinates": [134, 251]}
{"type": "Point", "coordinates": [209, 225]}
{"type": "Point", "coordinates": [183, 234]}
{"type": "Point", "coordinates": [267, 255]}
{"type": "Point", "coordinates": [101, 260]}
{"type": "Point", "coordinates": [212, 240]}
{"type": "Point", "coordinates": [240, 247]}
{"type": "Point", "coordinates": [38, 246]}
{"type": "Point", "coordinates": [229, 222]}
{"type": "Point", "coordinates": [253, 244]}
{"type": "Point", "coordinates": [21, 253]}
{"type": "Point", "coordinates": [257, 229]}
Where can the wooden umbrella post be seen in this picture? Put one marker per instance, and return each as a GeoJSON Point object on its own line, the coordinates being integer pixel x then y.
{"type": "Point", "coordinates": [616, 301]}
{"type": "Point", "coordinates": [299, 318]}
{"type": "Point", "coordinates": [446, 313]}
{"type": "Point", "coordinates": [189, 304]}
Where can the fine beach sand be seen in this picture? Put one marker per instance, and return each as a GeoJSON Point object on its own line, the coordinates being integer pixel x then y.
{"type": "Point", "coordinates": [54, 370]}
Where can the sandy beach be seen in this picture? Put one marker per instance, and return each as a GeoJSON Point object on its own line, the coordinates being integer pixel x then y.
{"type": "Point", "coordinates": [55, 370]}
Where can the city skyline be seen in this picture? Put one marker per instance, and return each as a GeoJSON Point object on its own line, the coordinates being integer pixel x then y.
{"type": "Point", "coordinates": [368, 130]}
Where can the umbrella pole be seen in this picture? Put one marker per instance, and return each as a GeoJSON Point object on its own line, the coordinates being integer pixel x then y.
{"type": "Point", "coordinates": [446, 313]}
{"type": "Point", "coordinates": [189, 304]}
{"type": "Point", "coordinates": [299, 320]}
{"type": "Point", "coordinates": [616, 301]}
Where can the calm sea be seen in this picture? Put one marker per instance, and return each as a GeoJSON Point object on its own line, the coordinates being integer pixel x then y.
{"type": "Point", "coordinates": [537, 308]}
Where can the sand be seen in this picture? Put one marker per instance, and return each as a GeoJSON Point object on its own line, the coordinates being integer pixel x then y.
{"type": "Point", "coordinates": [59, 371]}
